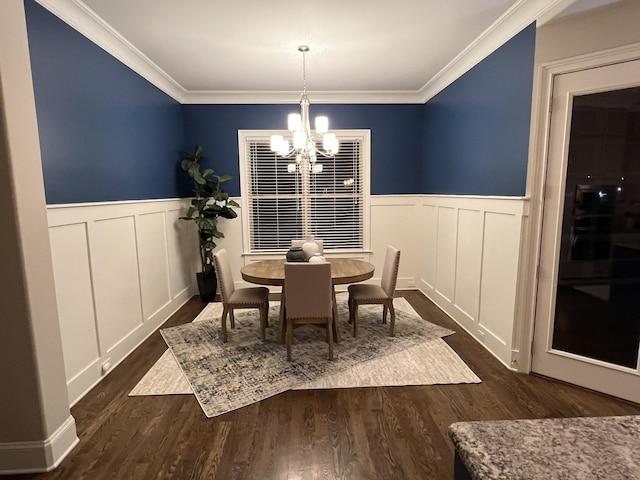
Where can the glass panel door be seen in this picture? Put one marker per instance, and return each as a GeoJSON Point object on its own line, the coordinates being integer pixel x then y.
{"type": "Point", "coordinates": [587, 326]}
{"type": "Point", "coordinates": [598, 294]}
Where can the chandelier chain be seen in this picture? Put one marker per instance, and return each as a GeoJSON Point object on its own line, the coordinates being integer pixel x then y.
{"type": "Point", "coordinates": [304, 51]}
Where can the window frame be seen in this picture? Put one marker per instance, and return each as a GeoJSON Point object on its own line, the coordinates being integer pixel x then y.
{"type": "Point", "coordinates": [264, 135]}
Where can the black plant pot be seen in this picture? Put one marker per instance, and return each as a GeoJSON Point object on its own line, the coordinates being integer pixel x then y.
{"type": "Point", "coordinates": [207, 285]}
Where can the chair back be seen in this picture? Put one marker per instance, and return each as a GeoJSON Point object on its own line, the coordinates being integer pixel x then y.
{"type": "Point", "coordinates": [390, 270]}
{"type": "Point", "coordinates": [309, 293]}
{"type": "Point", "coordinates": [225, 277]}
{"type": "Point", "coordinates": [299, 243]}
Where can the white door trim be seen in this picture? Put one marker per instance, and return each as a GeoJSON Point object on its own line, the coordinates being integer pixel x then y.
{"type": "Point", "coordinates": [536, 174]}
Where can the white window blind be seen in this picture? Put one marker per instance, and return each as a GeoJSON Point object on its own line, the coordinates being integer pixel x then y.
{"type": "Point", "coordinates": [282, 204]}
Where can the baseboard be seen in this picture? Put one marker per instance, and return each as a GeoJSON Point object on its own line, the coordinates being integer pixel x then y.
{"type": "Point", "coordinates": [460, 317]}
{"type": "Point", "coordinates": [80, 385]}
{"type": "Point", "coordinates": [39, 456]}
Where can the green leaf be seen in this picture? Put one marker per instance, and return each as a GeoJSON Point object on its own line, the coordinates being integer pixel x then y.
{"type": "Point", "coordinates": [228, 213]}
{"type": "Point", "coordinates": [198, 178]}
{"type": "Point", "coordinates": [186, 164]}
{"type": "Point", "coordinates": [206, 223]}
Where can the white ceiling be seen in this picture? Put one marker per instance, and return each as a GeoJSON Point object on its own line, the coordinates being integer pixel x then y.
{"type": "Point", "coordinates": [246, 50]}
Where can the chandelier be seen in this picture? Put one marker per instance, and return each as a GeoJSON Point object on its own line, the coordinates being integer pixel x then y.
{"type": "Point", "coordinates": [304, 149]}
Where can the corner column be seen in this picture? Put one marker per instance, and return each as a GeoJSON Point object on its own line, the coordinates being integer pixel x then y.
{"type": "Point", "coordinates": [36, 427]}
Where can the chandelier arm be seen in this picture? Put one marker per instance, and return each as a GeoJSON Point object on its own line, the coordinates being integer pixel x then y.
{"type": "Point", "coordinates": [324, 153]}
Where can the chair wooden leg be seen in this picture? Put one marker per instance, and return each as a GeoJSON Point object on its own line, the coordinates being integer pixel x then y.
{"type": "Point", "coordinates": [283, 319]}
{"type": "Point", "coordinates": [233, 319]}
{"type": "Point", "coordinates": [350, 304]}
{"type": "Point", "coordinates": [289, 338]}
{"type": "Point", "coordinates": [267, 316]}
{"type": "Point", "coordinates": [223, 323]}
{"type": "Point", "coordinates": [330, 330]}
{"type": "Point", "coordinates": [263, 320]}
{"type": "Point", "coordinates": [336, 332]}
{"type": "Point", "coordinates": [384, 314]}
{"type": "Point", "coordinates": [355, 318]}
{"type": "Point", "coordinates": [392, 324]}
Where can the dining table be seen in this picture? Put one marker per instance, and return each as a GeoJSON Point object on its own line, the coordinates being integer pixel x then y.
{"type": "Point", "coordinates": [271, 272]}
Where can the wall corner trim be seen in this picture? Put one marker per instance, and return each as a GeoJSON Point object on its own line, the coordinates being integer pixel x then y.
{"type": "Point", "coordinates": [80, 17]}
{"type": "Point", "coordinates": [514, 20]}
{"type": "Point", "coordinates": [39, 456]}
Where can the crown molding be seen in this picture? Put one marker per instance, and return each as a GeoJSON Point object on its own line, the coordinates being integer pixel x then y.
{"type": "Point", "coordinates": [84, 20]}
{"type": "Point", "coordinates": [514, 20]}
{"type": "Point", "coordinates": [290, 97]}
{"type": "Point", "coordinates": [76, 14]}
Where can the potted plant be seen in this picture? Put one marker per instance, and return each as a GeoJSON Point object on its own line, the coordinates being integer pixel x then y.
{"type": "Point", "coordinates": [210, 202]}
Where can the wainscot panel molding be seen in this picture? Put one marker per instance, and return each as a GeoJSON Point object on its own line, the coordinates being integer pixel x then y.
{"type": "Point", "coordinates": [393, 222]}
{"type": "Point", "coordinates": [121, 269]}
{"type": "Point", "coordinates": [469, 264]}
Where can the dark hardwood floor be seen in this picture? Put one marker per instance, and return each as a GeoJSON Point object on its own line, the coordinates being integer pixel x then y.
{"type": "Point", "coordinates": [365, 433]}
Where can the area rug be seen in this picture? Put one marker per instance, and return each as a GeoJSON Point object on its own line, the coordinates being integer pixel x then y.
{"type": "Point", "coordinates": [245, 370]}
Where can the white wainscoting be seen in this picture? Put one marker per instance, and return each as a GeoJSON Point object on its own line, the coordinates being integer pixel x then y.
{"type": "Point", "coordinates": [394, 222]}
{"type": "Point", "coordinates": [121, 269]}
{"type": "Point", "coordinates": [469, 264]}
{"type": "Point", "coordinates": [460, 251]}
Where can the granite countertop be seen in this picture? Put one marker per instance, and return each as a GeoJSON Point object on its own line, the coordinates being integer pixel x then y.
{"type": "Point", "coordinates": [557, 448]}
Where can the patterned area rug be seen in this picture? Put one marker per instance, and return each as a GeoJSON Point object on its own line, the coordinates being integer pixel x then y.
{"type": "Point", "coordinates": [228, 376]}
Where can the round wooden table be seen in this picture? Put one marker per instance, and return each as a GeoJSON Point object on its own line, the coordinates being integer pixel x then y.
{"type": "Point", "coordinates": [343, 271]}
{"type": "Point", "coordinates": [271, 272]}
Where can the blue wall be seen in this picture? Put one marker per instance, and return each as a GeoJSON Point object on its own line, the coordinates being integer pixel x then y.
{"type": "Point", "coordinates": [105, 132]}
{"type": "Point", "coordinates": [395, 137]}
{"type": "Point", "coordinates": [476, 131]}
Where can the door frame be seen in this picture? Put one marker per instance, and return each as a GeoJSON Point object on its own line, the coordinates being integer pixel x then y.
{"type": "Point", "coordinates": [530, 245]}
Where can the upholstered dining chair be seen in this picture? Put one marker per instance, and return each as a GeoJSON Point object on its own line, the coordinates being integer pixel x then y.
{"type": "Point", "coordinates": [308, 299]}
{"type": "Point", "coordinates": [361, 294]}
{"type": "Point", "coordinates": [233, 299]}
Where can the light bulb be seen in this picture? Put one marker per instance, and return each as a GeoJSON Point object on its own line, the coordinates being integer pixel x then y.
{"type": "Point", "coordinates": [330, 143]}
{"type": "Point", "coordinates": [284, 148]}
{"type": "Point", "coordinates": [276, 142]}
{"type": "Point", "coordinates": [322, 125]}
{"type": "Point", "coordinates": [294, 122]}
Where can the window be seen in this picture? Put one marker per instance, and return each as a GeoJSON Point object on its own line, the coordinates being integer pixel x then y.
{"type": "Point", "coordinates": [279, 203]}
